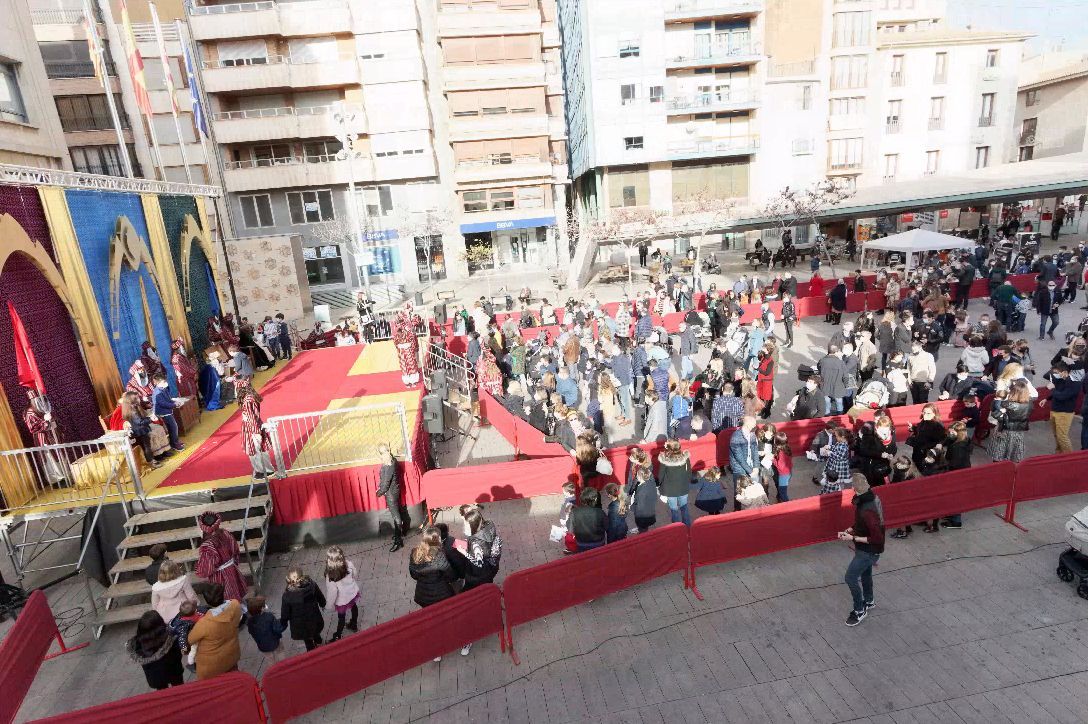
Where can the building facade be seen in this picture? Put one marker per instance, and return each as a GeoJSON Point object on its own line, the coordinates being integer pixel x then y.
{"type": "Point", "coordinates": [30, 131]}
{"type": "Point", "coordinates": [1051, 107]}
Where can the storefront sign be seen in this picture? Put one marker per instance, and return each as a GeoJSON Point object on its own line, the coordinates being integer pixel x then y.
{"type": "Point", "coordinates": [309, 253]}
{"type": "Point", "coordinates": [385, 235]}
{"type": "Point", "coordinates": [505, 225]}
{"type": "Point", "coordinates": [329, 252]}
{"type": "Point", "coordinates": [381, 260]}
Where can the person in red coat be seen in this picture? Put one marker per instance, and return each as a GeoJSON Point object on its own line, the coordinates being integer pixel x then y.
{"type": "Point", "coordinates": [184, 369]}
{"type": "Point", "coordinates": [816, 285]}
{"type": "Point", "coordinates": [765, 381]}
{"type": "Point", "coordinates": [219, 557]}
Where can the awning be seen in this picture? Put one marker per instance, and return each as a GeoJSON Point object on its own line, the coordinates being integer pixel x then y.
{"type": "Point", "coordinates": [917, 240]}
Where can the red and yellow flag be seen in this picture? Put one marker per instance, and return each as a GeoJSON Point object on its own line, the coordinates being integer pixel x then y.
{"type": "Point", "coordinates": [94, 43]}
{"type": "Point", "coordinates": [135, 64]}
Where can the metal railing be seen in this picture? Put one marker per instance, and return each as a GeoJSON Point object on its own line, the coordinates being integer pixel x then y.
{"type": "Point", "coordinates": [891, 127]}
{"type": "Point", "coordinates": [717, 52]}
{"type": "Point", "coordinates": [936, 124]}
{"type": "Point", "coordinates": [499, 159]}
{"type": "Point", "coordinates": [843, 165]}
{"type": "Point", "coordinates": [737, 144]}
{"type": "Point", "coordinates": [381, 328]}
{"type": "Point", "coordinates": [283, 161]}
{"type": "Point", "coordinates": [278, 112]}
{"type": "Point", "coordinates": [698, 101]}
{"type": "Point", "coordinates": [339, 437]}
{"type": "Point", "coordinates": [74, 474]}
{"type": "Point", "coordinates": [80, 69]}
{"type": "Point", "coordinates": [58, 16]}
{"type": "Point", "coordinates": [897, 78]}
{"type": "Point", "coordinates": [460, 376]}
{"type": "Point", "coordinates": [272, 59]}
{"type": "Point", "coordinates": [145, 32]}
{"type": "Point", "coordinates": [53, 177]}
{"type": "Point", "coordinates": [230, 8]}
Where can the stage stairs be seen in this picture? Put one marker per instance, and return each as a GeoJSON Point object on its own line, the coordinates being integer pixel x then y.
{"type": "Point", "coordinates": [129, 594]}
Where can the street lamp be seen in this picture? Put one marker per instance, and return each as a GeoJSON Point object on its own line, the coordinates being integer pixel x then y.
{"type": "Point", "coordinates": [347, 152]}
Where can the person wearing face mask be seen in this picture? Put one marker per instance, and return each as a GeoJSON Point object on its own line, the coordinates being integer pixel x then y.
{"type": "Point", "coordinates": [744, 453]}
{"type": "Point", "coordinates": [955, 384]}
{"type": "Point", "coordinates": [1046, 301]}
{"type": "Point", "coordinates": [162, 409]}
{"type": "Point", "coordinates": [867, 537]}
{"type": "Point", "coordinates": [921, 371]}
{"type": "Point", "coordinates": [184, 369]}
{"type": "Point", "coordinates": [150, 357]}
{"type": "Point", "coordinates": [875, 449]}
{"type": "Point", "coordinates": [1063, 401]}
{"type": "Point", "coordinates": [140, 383]}
{"type": "Point", "coordinates": [925, 435]}
{"type": "Point", "coordinates": [809, 401]}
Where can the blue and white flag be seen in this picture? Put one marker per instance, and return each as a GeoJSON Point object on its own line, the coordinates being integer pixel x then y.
{"type": "Point", "coordinates": [198, 109]}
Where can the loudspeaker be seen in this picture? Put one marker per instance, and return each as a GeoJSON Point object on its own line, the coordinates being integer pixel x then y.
{"type": "Point", "coordinates": [439, 385]}
{"type": "Point", "coordinates": [440, 315]}
{"type": "Point", "coordinates": [432, 414]}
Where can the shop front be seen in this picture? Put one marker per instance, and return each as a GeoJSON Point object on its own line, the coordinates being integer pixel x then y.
{"type": "Point", "coordinates": [514, 244]}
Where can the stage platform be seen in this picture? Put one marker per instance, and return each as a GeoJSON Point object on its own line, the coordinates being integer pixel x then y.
{"type": "Point", "coordinates": [332, 378]}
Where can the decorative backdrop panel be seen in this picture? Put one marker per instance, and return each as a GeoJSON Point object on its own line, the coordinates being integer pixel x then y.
{"type": "Point", "coordinates": [266, 278]}
{"type": "Point", "coordinates": [24, 204]}
{"type": "Point", "coordinates": [94, 217]}
{"type": "Point", "coordinates": [202, 301]}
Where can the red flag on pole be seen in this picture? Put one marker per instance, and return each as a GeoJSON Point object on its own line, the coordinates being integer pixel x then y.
{"type": "Point", "coordinates": [25, 364]}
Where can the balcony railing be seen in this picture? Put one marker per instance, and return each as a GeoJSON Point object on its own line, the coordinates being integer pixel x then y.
{"type": "Point", "coordinates": [936, 124]}
{"type": "Point", "coordinates": [897, 78]}
{"type": "Point", "coordinates": [785, 70]}
{"type": "Point", "coordinates": [59, 16]}
{"type": "Point", "coordinates": [501, 159]}
{"type": "Point", "coordinates": [272, 60]}
{"type": "Point", "coordinates": [231, 8]}
{"type": "Point", "coordinates": [287, 161]}
{"type": "Point", "coordinates": [81, 69]}
{"type": "Point", "coordinates": [891, 127]}
{"type": "Point", "coordinates": [90, 123]}
{"type": "Point", "coordinates": [716, 53]}
{"type": "Point", "coordinates": [145, 32]}
{"type": "Point", "coordinates": [985, 121]}
{"type": "Point", "coordinates": [278, 112]}
{"type": "Point", "coordinates": [698, 101]}
{"type": "Point", "coordinates": [844, 165]}
{"type": "Point", "coordinates": [711, 6]}
{"type": "Point", "coordinates": [714, 146]}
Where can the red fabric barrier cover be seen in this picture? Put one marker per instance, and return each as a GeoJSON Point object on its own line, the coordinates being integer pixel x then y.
{"type": "Point", "coordinates": [747, 533]}
{"type": "Point", "coordinates": [525, 438]}
{"type": "Point", "coordinates": [227, 699]}
{"type": "Point", "coordinates": [1051, 476]}
{"type": "Point", "coordinates": [985, 486]}
{"type": "Point", "coordinates": [22, 651]}
{"type": "Point", "coordinates": [538, 591]}
{"type": "Point", "coordinates": [497, 481]}
{"type": "Point", "coordinates": [331, 672]}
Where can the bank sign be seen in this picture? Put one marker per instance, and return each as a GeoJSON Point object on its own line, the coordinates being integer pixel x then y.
{"type": "Point", "coordinates": [507, 225]}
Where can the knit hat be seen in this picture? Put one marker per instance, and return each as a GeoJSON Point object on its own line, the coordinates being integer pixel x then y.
{"type": "Point", "coordinates": [860, 483]}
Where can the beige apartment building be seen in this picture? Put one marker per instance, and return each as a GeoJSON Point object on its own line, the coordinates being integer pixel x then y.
{"type": "Point", "coordinates": [30, 131]}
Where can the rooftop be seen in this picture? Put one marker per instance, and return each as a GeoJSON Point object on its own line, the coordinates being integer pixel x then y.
{"type": "Point", "coordinates": [958, 36]}
{"type": "Point", "coordinates": [1052, 68]}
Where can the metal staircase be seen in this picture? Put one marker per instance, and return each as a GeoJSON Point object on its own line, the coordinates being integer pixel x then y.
{"type": "Point", "coordinates": [248, 518]}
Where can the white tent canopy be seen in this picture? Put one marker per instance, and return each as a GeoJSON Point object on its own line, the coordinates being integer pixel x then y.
{"type": "Point", "coordinates": [917, 241]}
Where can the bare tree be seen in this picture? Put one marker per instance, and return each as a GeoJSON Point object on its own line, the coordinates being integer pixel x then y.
{"type": "Point", "coordinates": [699, 215]}
{"type": "Point", "coordinates": [802, 206]}
{"type": "Point", "coordinates": [627, 227]}
{"type": "Point", "coordinates": [424, 224]}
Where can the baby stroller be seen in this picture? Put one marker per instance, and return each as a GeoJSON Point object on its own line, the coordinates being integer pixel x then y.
{"type": "Point", "coordinates": [1073, 564]}
{"type": "Point", "coordinates": [1018, 315]}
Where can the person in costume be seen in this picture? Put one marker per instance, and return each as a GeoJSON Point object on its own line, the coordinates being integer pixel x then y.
{"type": "Point", "coordinates": [229, 329]}
{"type": "Point", "coordinates": [184, 369]}
{"type": "Point", "coordinates": [150, 357]}
{"type": "Point", "coordinates": [214, 331]}
{"type": "Point", "coordinates": [41, 425]}
{"type": "Point", "coordinates": [249, 344]}
{"type": "Point", "coordinates": [488, 373]}
{"type": "Point", "coordinates": [219, 557]}
{"type": "Point", "coordinates": [139, 381]}
{"type": "Point", "coordinates": [407, 344]}
{"type": "Point", "coordinates": [255, 439]}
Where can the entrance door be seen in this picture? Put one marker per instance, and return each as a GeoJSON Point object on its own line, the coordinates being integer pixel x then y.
{"type": "Point", "coordinates": [481, 248]}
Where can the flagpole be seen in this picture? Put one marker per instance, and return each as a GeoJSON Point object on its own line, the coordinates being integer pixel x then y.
{"type": "Point", "coordinates": [98, 54]}
{"type": "Point", "coordinates": [185, 52]}
{"type": "Point", "coordinates": [169, 80]}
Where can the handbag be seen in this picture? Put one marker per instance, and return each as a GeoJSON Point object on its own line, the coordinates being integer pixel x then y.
{"type": "Point", "coordinates": [604, 467]}
{"type": "Point", "coordinates": [570, 543]}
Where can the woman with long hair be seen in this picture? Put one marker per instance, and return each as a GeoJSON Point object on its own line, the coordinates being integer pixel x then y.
{"type": "Point", "coordinates": [765, 381]}
{"type": "Point", "coordinates": [431, 570]}
{"type": "Point", "coordinates": [1011, 416]}
{"type": "Point", "coordinates": [156, 649]}
{"type": "Point", "coordinates": [680, 411]}
{"type": "Point", "coordinates": [483, 551]}
{"type": "Point", "coordinates": [341, 589]}
{"type": "Point", "coordinates": [674, 480]}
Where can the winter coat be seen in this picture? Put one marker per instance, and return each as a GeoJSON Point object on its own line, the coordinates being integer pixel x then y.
{"type": "Point", "coordinates": [869, 452]}
{"type": "Point", "coordinates": [833, 372]}
{"type": "Point", "coordinates": [301, 609]}
{"type": "Point", "coordinates": [674, 475]}
{"type": "Point", "coordinates": [433, 579]}
{"type": "Point", "coordinates": [589, 524]}
{"type": "Point", "coordinates": [885, 338]}
{"type": "Point", "coordinates": [215, 637]}
{"type": "Point", "coordinates": [166, 598]}
{"type": "Point", "coordinates": [615, 524]}
{"type": "Point", "coordinates": [657, 422]}
{"type": "Point", "coordinates": [925, 435]}
{"type": "Point", "coordinates": [903, 336]}
{"type": "Point", "coordinates": [161, 666]}
{"type": "Point", "coordinates": [765, 379]}
{"type": "Point", "coordinates": [344, 591]}
{"type": "Point", "coordinates": [484, 551]}
{"type": "Point", "coordinates": [1015, 416]}
{"type": "Point", "coordinates": [809, 404]}
{"type": "Point", "coordinates": [266, 631]}
{"type": "Point", "coordinates": [743, 453]}
{"type": "Point", "coordinates": [976, 359]}
{"type": "Point", "coordinates": [643, 497]}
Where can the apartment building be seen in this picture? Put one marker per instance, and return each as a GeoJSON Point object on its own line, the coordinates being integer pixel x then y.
{"type": "Point", "coordinates": [1051, 107]}
{"type": "Point", "coordinates": [503, 107]}
{"type": "Point", "coordinates": [30, 132]}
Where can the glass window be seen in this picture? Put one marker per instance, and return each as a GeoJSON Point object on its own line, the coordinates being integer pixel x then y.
{"type": "Point", "coordinates": [628, 188]}
{"type": "Point", "coordinates": [531, 198]}
{"type": "Point", "coordinates": [991, 58]}
{"type": "Point", "coordinates": [105, 160]}
{"type": "Point", "coordinates": [725, 181]}
{"type": "Point", "coordinates": [475, 201]}
{"type": "Point", "coordinates": [632, 143]}
{"type": "Point", "coordinates": [657, 92]}
{"type": "Point", "coordinates": [806, 97]}
{"type": "Point", "coordinates": [986, 117]}
{"type": "Point", "coordinates": [933, 162]}
{"type": "Point", "coordinates": [430, 258]}
{"type": "Point", "coordinates": [257, 211]}
{"type": "Point", "coordinates": [850, 29]}
{"type": "Point", "coordinates": [310, 207]}
{"type": "Point", "coordinates": [627, 94]}
{"type": "Point", "coordinates": [891, 165]}
{"type": "Point", "coordinates": [629, 49]}
{"type": "Point", "coordinates": [502, 200]}
{"type": "Point", "coordinates": [11, 98]}
{"type": "Point", "coordinates": [982, 156]}
{"type": "Point", "coordinates": [325, 266]}
{"type": "Point", "coordinates": [1031, 98]}
{"type": "Point", "coordinates": [940, 68]}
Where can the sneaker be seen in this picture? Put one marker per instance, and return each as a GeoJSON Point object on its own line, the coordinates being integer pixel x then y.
{"type": "Point", "coordinates": [465, 649]}
{"type": "Point", "coordinates": [900, 534]}
{"type": "Point", "coordinates": [951, 524]}
{"type": "Point", "coordinates": [932, 529]}
{"type": "Point", "coordinates": [870, 604]}
{"type": "Point", "coordinates": [437, 659]}
{"type": "Point", "coordinates": [855, 618]}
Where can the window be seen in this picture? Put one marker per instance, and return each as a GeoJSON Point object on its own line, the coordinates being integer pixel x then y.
{"type": "Point", "coordinates": [846, 153]}
{"type": "Point", "coordinates": [933, 162]}
{"type": "Point", "coordinates": [850, 29]}
{"type": "Point", "coordinates": [531, 198]}
{"type": "Point", "coordinates": [854, 106]}
{"type": "Point", "coordinates": [323, 264]}
{"type": "Point", "coordinates": [1027, 131]}
{"type": "Point", "coordinates": [657, 93]}
{"type": "Point", "coordinates": [627, 94]}
{"type": "Point", "coordinates": [502, 200]}
{"type": "Point", "coordinates": [105, 160]}
{"type": "Point", "coordinates": [269, 154]}
{"type": "Point", "coordinates": [982, 156]}
{"type": "Point", "coordinates": [310, 207]}
{"type": "Point", "coordinates": [242, 52]}
{"type": "Point", "coordinates": [89, 113]}
{"type": "Point", "coordinates": [721, 181]}
{"type": "Point", "coordinates": [936, 113]}
{"type": "Point", "coordinates": [894, 109]}
{"type": "Point", "coordinates": [318, 151]}
{"type": "Point", "coordinates": [1031, 98]}
{"type": "Point", "coordinates": [897, 70]}
{"type": "Point", "coordinates": [1026, 153]}
{"type": "Point", "coordinates": [632, 143]}
{"type": "Point", "coordinates": [940, 67]}
{"type": "Point", "coordinates": [629, 188]}
{"type": "Point", "coordinates": [986, 117]}
{"type": "Point", "coordinates": [475, 201]}
{"type": "Point", "coordinates": [849, 71]}
{"type": "Point", "coordinates": [891, 165]}
{"type": "Point", "coordinates": [257, 211]}
{"type": "Point", "coordinates": [629, 49]}
{"type": "Point", "coordinates": [806, 97]}
{"type": "Point", "coordinates": [376, 201]}
{"type": "Point", "coordinates": [991, 58]}
{"type": "Point", "coordinates": [11, 98]}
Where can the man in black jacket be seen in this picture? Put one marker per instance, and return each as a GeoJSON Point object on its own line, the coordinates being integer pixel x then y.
{"type": "Point", "coordinates": [389, 488]}
{"type": "Point", "coordinates": [789, 315]}
{"type": "Point", "coordinates": [1063, 401]}
{"type": "Point", "coordinates": [1046, 301]}
{"type": "Point", "coordinates": [867, 537]}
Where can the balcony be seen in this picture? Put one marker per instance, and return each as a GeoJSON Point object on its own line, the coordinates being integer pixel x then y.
{"type": "Point", "coordinates": [252, 19]}
{"type": "Point", "coordinates": [58, 16]}
{"type": "Point", "coordinates": [493, 75]}
{"type": "Point", "coordinates": [891, 126]}
{"type": "Point", "coordinates": [985, 121]}
{"type": "Point", "coordinates": [473, 21]}
{"type": "Point", "coordinates": [733, 100]}
{"type": "Point", "coordinates": [290, 171]}
{"type": "Point", "coordinates": [404, 166]}
{"type": "Point", "coordinates": [936, 124]}
{"type": "Point", "coordinates": [712, 147]}
{"type": "Point", "coordinates": [502, 167]}
{"type": "Point", "coordinates": [849, 167]}
{"type": "Point", "coordinates": [897, 79]}
{"type": "Point", "coordinates": [277, 71]}
{"type": "Point", "coordinates": [497, 125]}
{"type": "Point", "coordinates": [79, 69]}
{"type": "Point", "coordinates": [724, 54]}
{"type": "Point", "coordinates": [272, 124]}
{"type": "Point", "coordinates": [789, 70]}
{"type": "Point", "coordinates": [686, 11]}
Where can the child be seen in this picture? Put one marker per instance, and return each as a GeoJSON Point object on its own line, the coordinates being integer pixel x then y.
{"type": "Point", "coordinates": [569, 499]}
{"type": "Point", "coordinates": [750, 494]}
{"type": "Point", "coordinates": [830, 483]}
{"type": "Point", "coordinates": [341, 590]}
{"type": "Point", "coordinates": [837, 469]}
{"type": "Point", "coordinates": [642, 491]}
{"type": "Point", "coordinates": [783, 465]}
{"type": "Point", "coordinates": [182, 624]}
{"type": "Point", "coordinates": [897, 381]}
{"type": "Point", "coordinates": [615, 513]}
{"type": "Point", "coordinates": [301, 609]}
{"type": "Point", "coordinates": [962, 330]}
{"type": "Point", "coordinates": [709, 495]}
{"type": "Point", "coordinates": [265, 629]}
{"type": "Point", "coordinates": [903, 469]}
{"type": "Point", "coordinates": [970, 412]}
{"type": "Point", "coordinates": [157, 555]}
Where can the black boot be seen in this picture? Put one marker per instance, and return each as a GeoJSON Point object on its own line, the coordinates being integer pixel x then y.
{"type": "Point", "coordinates": [353, 624]}
{"type": "Point", "coordinates": [398, 540]}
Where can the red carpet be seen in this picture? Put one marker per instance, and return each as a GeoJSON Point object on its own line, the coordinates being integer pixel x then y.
{"type": "Point", "coordinates": [307, 383]}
